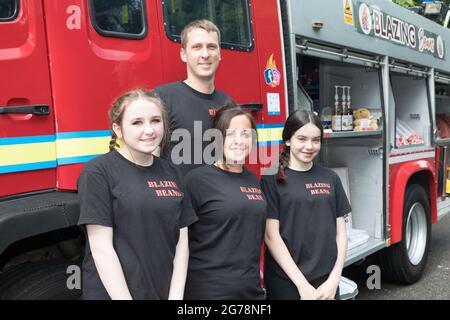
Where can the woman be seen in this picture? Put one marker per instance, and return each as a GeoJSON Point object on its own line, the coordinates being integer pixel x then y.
{"type": "Point", "coordinates": [224, 244]}
{"type": "Point", "coordinates": [305, 229]}
{"type": "Point", "coordinates": [131, 205]}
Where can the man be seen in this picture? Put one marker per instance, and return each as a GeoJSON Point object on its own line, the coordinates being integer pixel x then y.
{"type": "Point", "coordinates": [192, 102]}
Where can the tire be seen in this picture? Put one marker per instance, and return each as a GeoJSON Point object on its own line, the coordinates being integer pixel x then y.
{"type": "Point", "coordinates": [405, 262]}
{"type": "Point", "coordinates": [37, 281]}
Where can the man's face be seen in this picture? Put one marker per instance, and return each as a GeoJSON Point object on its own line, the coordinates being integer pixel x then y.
{"type": "Point", "coordinates": [202, 54]}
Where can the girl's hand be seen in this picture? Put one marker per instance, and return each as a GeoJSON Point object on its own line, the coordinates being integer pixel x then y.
{"type": "Point", "coordinates": [308, 292]}
{"type": "Point", "coordinates": [327, 291]}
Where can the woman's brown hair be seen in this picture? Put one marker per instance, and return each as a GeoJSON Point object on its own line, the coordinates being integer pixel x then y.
{"type": "Point", "coordinates": [225, 114]}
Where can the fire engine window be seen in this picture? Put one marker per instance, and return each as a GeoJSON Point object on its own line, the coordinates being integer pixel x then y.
{"type": "Point", "coordinates": [119, 18]}
{"type": "Point", "coordinates": [8, 9]}
{"type": "Point", "coordinates": [231, 16]}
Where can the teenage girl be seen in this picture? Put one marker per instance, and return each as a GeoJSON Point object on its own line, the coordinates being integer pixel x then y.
{"type": "Point", "coordinates": [131, 205]}
{"type": "Point", "coordinates": [305, 229]}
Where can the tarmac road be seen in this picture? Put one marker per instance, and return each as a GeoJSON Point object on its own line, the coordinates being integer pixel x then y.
{"type": "Point", "coordinates": [435, 283]}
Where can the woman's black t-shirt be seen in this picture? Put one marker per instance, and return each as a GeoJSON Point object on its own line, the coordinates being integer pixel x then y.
{"type": "Point", "coordinates": [144, 206]}
{"type": "Point", "coordinates": [307, 205]}
{"type": "Point", "coordinates": [225, 243]}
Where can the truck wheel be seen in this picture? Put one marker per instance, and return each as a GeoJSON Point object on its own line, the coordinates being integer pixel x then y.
{"type": "Point", "coordinates": [404, 262]}
{"type": "Point", "coordinates": [37, 281]}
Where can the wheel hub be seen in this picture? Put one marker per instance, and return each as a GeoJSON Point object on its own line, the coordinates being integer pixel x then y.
{"type": "Point", "coordinates": [416, 233]}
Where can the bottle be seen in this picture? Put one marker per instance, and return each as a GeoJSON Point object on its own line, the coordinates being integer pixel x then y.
{"type": "Point", "coordinates": [326, 117]}
{"type": "Point", "coordinates": [349, 110]}
{"type": "Point", "coordinates": [344, 109]}
{"type": "Point", "coordinates": [336, 117]}
{"type": "Point", "coordinates": [347, 115]}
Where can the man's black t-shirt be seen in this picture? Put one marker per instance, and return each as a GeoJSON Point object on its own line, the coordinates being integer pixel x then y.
{"type": "Point", "coordinates": [186, 106]}
{"type": "Point", "coordinates": [306, 205]}
{"type": "Point", "coordinates": [225, 243]}
{"type": "Point", "coordinates": [144, 206]}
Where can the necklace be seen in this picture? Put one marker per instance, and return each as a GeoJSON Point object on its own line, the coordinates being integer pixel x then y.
{"type": "Point", "coordinates": [220, 164]}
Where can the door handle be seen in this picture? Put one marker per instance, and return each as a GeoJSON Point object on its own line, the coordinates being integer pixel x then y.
{"type": "Point", "coordinates": [251, 106]}
{"type": "Point", "coordinates": [35, 109]}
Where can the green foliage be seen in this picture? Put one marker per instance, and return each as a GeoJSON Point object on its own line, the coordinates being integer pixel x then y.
{"type": "Point", "coordinates": [408, 3]}
{"type": "Point", "coordinates": [412, 3]}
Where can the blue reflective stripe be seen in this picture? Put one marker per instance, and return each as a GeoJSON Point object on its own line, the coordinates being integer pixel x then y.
{"type": "Point", "coordinates": [269, 143]}
{"type": "Point", "coordinates": [51, 138]}
{"type": "Point", "coordinates": [269, 125]}
{"type": "Point", "coordinates": [74, 160]}
{"type": "Point", "coordinates": [83, 134]}
{"type": "Point", "coordinates": [28, 166]}
{"type": "Point", "coordinates": [24, 140]}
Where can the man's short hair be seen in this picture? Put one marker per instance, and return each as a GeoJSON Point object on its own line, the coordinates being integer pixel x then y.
{"type": "Point", "coordinates": [198, 24]}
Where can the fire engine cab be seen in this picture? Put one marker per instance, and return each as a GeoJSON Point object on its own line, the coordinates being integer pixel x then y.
{"type": "Point", "coordinates": [63, 62]}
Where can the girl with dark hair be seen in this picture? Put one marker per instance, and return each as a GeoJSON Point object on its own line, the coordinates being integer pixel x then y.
{"type": "Point", "coordinates": [305, 229]}
{"type": "Point", "coordinates": [131, 206]}
{"type": "Point", "coordinates": [224, 244]}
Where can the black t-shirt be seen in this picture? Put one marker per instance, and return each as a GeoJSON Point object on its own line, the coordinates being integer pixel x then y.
{"type": "Point", "coordinates": [307, 206]}
{"type": "Point", "coordinates": [186, 105]}
{"type": "Point", "coordinates": [225, 243]}
{"type": "Point", "coordinates": [144, 206]}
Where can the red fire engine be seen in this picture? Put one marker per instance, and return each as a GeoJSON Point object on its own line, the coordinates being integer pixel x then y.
{"type": "Point", "coordinates": [63, 62]}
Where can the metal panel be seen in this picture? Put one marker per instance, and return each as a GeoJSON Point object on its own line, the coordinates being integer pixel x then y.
{"type": "Point", "coordinates": [321, 51]}
{"type": "Point", "coordinates": [336, 31]}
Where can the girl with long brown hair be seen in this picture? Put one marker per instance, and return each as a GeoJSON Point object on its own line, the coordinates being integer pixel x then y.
{"type": "Point", "coordinates": [131, 205]}
{"type": "Point", "coordinates": [305, 229]}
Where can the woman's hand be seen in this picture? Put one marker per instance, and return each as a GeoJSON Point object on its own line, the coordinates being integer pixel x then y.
{"type": "Point", "coordinates": [327, 291]}
{"type": "Point", "coordinates": [308, 292]}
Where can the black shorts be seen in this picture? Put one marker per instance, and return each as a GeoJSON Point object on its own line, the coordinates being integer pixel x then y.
{"type": "Point", "coordinates": [279, 288]}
